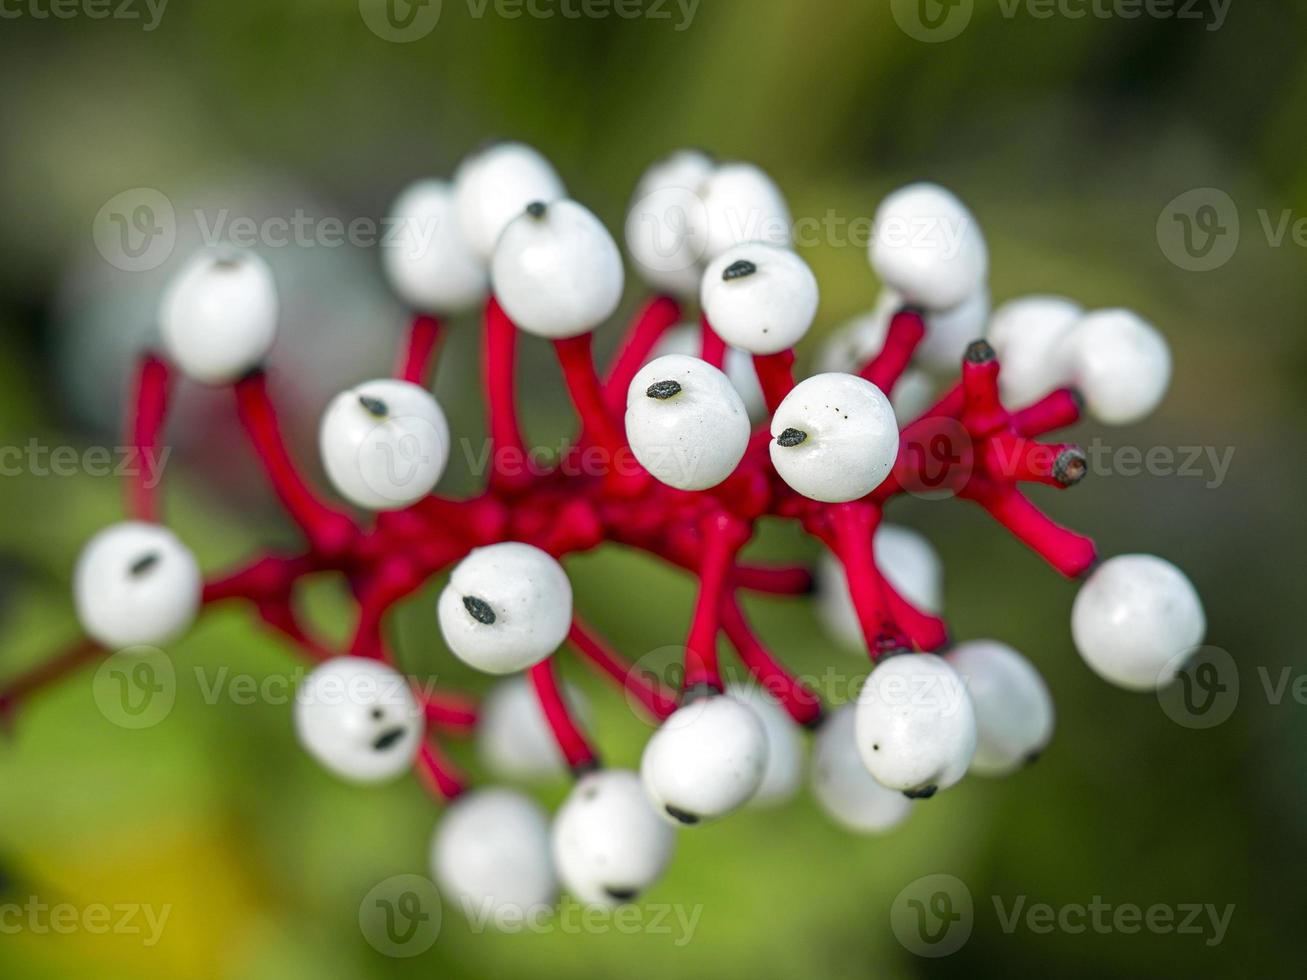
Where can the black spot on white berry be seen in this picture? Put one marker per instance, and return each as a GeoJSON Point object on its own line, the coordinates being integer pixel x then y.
{"type": "Point", "coordinates": [791, 437]}
{"type": "Point", "coordinates": [479, 609]}
{"type": "Point", "coordinates": [682, 816]}
{"type": "Point", "coordinates": [537, 209]}
{"type": "Point", "coordinates": [1070, 468]}
{"type": "Point", "coordinates": [921, 793]}
{"type": "Point", "coordinates": [387, 739]}
{"type": "Point", "coordinates": [621, 894]}
{"type": "Point", "coordinates": [663, 390]}
{"type": "Point", "coordinates": [739, 270]}
{"type": "Point", "coordinates": [144, 563]}
{"type": "Point", "coordinates": [374, 406]}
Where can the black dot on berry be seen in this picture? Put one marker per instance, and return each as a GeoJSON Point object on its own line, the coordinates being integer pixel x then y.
{"type": "Point", "coordinates": [479, 610]}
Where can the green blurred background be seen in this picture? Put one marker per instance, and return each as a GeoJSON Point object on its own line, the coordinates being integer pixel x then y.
{"type": "Point", "coordinates": [1067, 135]}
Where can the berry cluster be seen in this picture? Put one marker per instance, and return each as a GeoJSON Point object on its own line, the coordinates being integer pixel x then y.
{"type": "Point", "coordinates": [683, 475]}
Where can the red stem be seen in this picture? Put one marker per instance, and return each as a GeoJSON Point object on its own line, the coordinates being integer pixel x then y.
{"type": "Point", "coordinates": [906, 331]}
{"type": "Point", "coordinates": [1059, 410]}
{"type": "Point", "coordinates": [773, 580]}
{"type": "Point", "coordinates": [776, 376]}
{"type": "Point", "coordinates": [417, 360]}
{"type": "Point", "coordinates": [723, 537]}
{"type": "Point", "coordinates": [145, 429]}
{"type": "Point", "coordinates": [712, 347]}
{"type": "Point", "coordinates": [576, 749]}
{"type": "Point", "coordinates": [801, 702]}
{"type": "Point", "coordinates": [659, 315]}
{"type": "Point", "coordinates": [508, 471]}
{"type": "Point", "coordinates": [1070, 553]}
{"type": "Point", "coordinates": [656, 700]}
{"type": "Point", "coordinates": [25, 684]}
{"type": "Point", "coordinates": [438, 774]}
{"type": "Point", "coordinates": [852, 527]}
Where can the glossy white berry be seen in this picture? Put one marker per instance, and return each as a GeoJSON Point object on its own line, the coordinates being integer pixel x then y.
{"type": "Point", "coordinates": [513, 738]}
{"type": "Point", "coordinates": [136, 583]}
{"type": "Point", "coordinates": [491, 856]}
{"type": "Point", "coordinates": [1120, 363]}
{"type": "Point", "coordinates": [494, 186]}
{"type": "Point", "coordinates": [1027, 334]}
{"type": "Point", "coordinates": [507, 606]}
{"type": "Point", "coordinates": [685, 422]}
{"type": "Point", "coordinates": [384, 443]}
{"type": "Point", "coordinates": [843, 787]}
{"type": "Point", "coordinates": [428, 260]}
{"type": "Point", "coordinates": [834, 438]}
{"type": "Point", "coordinates": [949, 332]}
{"type": "Point", "coordinates": [664, 227]}
{"type": "Point", "coordinates": [855, 342]}
{"type": "Point", "coordinates": [359, 719]}
{"type": "Point", "coordinates": [909, 563]}
{"type": "Point", "coordinates": [557, 271]}
{"type": "Point", "coordinates": [1014, 711]}
{"type": "Point", "coordinates": [760, 298]}
{"type": "Point", "coordinates": [687, 339]}
{"type": "Point", "coordinates": [928, 246]}
{"type": "Point", "coordinates": [1135, 619]}
{"type": "Point", "coordinates": [706, 760]}
{"type": "Point", "coordinates": [784, 771]}
{"type": "Point", "coordinates": [916, 729]}
{"type": "Point", "coordinates": [608, 843]}
{"type": "Point", "coordinates": [218, 315]}
{"type": "Point", "coordinates": [741, 204]}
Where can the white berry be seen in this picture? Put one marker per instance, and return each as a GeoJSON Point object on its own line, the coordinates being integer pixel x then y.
{"type": "Point", "coordinates": [784, 771]}
{"type": "Point", "coordinates": [929, 247]}
{"type": "Point", "coordinates": [909, 563]}
{"type": "Point", "coordinates": [556, 270]}
{"type": "Point", "coordinates": [608, 843]}
{"type": "Point", "coordinates": [855, 342]}
{"type": "Point", "coordinates": [741, 204]}
{"type": "Point", "coordinates": [665, 222]}
{"type": "Point", "coordinates": [1027, 334]}
{"type": "Point", "coordinates": [843, 787]}
{"type": "Point", "coordinates": [384, 444]}
{"type": "Point", "coordinates": [136, 583]}
{"type": "Point", "coordinates": [760, 298]}
{"type": "Point", "coordinates": [687, 338]}
{"type": "Point", "coordinates": [492, 187]}
{"type": "Point", "coordinates": [685, 422]}
{"type": "Point", "coordinates": [1014, 711]}
{"type": "Point", "coordinates": [949, 332]}
{"type": "Point", "coordinates": [428, 259]}
{"type": "Point", "coordinates": [706, 760]}
{"type": "Point", "coordinates": [359, 719]}
{"type": "Point", "coordinates": [507, 606]}
{"type": "Point", "coordinates": [834, 438]}
{"type": "Point", "coordinates": [514, 740]}
{"type": "Point", "coordinates": [916, 729]}
{"type": "Point", "coordinates": [1120, 363]}
{"type": "Point", "coordinates": [218, 315]}
{"type": "Point", "coordinates": [1135, 619]}
{"type": "Point", "coordinates": [491, 855]}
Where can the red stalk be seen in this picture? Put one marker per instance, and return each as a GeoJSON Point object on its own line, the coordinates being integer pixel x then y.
{"type": "Point", "coordinates": [1070, 553]}
{"type": "Point", "coordinates": [438, 774]}
{"type": "Point", "coordinates": [658, 702]}
{"type": "Point", "coordinates": [658, 316]}
{"type": "Point", "coordinates": [802, 703]}
{"type": "Point", "coordinates": [776, 376]}
{"type": "Point", "coordinates": [1060, 410]}
{"type": "Point", "coordinates": [577, 752]}
{"type": "Point", "coordinates": [145, 431]}
{"type": "Point", "coordinates": [852, 527]}
{"type": "Point", "coordinates": [906, 331]}
{"type": "Point", "coordinates": [773, 580]}
{"type": "Point", "coordinates": [723, 537]}
{"type": "Point", "coordinates": [712, 347]}
{"type": "Point", "coordinates": [507, 451]}
{"type": "Point", "coordinates": [417, 361]}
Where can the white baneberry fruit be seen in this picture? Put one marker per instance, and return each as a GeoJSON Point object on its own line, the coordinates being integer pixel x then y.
{"type": "Point", "coordinates": [556, 270]}
{"type": "Point", "coordinates": [608, 843]}
{"type": "Point", "coordinates": [1120, 363]}
{"type": "Point", "coordinates": [909, 563]}
{"type": "Point", "coordinates": [429, 262]}
{"type": "Point", "coordinates": [1014, 711]}
{"type": "Point", "coordinates": [685, 422]}
{"type": "Point", "coordinates": [707, 759]}
{"type": "Point", "coordinates": [507, 606]}
{"type": "Point", "coordinates": [760, 298]}
{"type": "Point", "coordinates": [916, 728]}
{"type": "Point", "coordinates": [218, 315]}
{"type": "Point", "coordinates": [514, 740]}
{"type": "Point", "coordinates": [358, 717]}
{"type": "Point", "coordinates": [665, 222]}
{"type": "Point", "coordinates": [136, 583]}
{"type": "Point", "coordinates": [843, 787]}
{"type": "Point", "coordinates": [928, 246]}
{"type": "Point", "coordinates": [834, 438]}
{"type": "Point", "coordinates": [384, 444]}
{"type": "Point", "coordinates": [492, 187]}
{"type": "Point", "coordinates": [1027, 334]}
{"type": "Point", "coordinates": [491, 855]}
{"type": "Point", "coordinates": [949, 332]}
{"type": "Point", "coordinates": [857, 341]}
{"type": "Point", "coordinates": [784, 771]}
{"type": "Point", "coordinates": [687, 339]}
{"type": "Point", "coordinates": [741, 204]}
{"type": "Point", "coordinates": [1134, 620]}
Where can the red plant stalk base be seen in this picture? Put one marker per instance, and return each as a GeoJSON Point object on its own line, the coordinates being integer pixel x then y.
{"type": "Point", "coordinates": [967, 445]}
